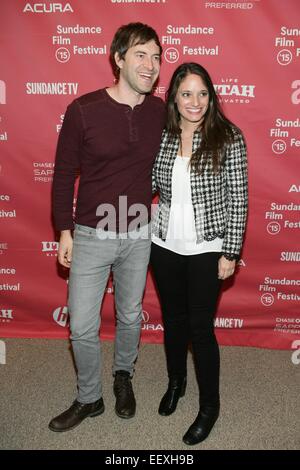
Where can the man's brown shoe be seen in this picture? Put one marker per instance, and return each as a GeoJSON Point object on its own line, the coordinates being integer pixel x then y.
{"type": "Point", "coordinates": [72, 417]}
{"type": "Point", "coordinates": [125, 401]}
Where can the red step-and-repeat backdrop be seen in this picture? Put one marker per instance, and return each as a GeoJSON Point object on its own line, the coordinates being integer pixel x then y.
{"type": "Point", "coordinates": [55, 51]}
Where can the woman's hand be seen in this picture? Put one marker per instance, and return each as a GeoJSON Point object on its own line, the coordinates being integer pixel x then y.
{"type": "Point", "coordinates": [226, 268]}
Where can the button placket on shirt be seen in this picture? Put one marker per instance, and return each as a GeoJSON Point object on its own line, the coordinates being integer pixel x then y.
{"type": "Point", "coordinates": [133, 130]}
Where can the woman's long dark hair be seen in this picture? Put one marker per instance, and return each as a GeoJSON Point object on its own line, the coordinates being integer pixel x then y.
{"type": "Point", "coordinates": [216, 129]}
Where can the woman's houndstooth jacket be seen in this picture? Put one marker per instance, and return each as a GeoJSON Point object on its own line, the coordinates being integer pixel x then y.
{"type": "Point", "coordinates": [219, 200]}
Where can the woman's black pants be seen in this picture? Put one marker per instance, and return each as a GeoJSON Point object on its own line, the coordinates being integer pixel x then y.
{"type": "Point", "coordinates": [189, 287]}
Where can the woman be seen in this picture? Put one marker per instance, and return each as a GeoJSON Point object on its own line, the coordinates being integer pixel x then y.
{"type": "Point", "coordinates": [201, 176]}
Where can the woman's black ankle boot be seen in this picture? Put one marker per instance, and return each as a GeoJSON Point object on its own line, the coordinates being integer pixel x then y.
{"type": "Point", "coordinates": [202, 425]}
{"type": "Point", "coordinates": [176, 389]}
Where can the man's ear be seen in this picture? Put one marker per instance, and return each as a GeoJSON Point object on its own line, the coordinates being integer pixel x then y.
{"type": "Point", "coordinates": [118, 60]}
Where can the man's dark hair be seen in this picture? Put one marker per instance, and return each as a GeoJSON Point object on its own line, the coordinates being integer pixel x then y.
{"type": "Point", "coordinates": [130, 35]}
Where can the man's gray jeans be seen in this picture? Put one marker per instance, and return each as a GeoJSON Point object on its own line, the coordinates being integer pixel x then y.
{"type": "Point", "coordinates": [93, 259]}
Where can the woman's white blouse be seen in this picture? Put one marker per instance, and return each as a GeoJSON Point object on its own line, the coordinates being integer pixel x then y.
{"type": "Point", "coordinates": [181, 236]}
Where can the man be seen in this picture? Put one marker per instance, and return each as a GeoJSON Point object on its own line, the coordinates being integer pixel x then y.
{"type": "Point", "coordinates": [112, 136]}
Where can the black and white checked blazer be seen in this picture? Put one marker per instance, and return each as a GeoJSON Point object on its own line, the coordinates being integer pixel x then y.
{"type": "Point", "coordinates": [219, 201]}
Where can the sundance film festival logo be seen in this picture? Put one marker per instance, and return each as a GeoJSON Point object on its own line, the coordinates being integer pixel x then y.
{"type": "Point", "coordinates": [288, 41]}
{"type": "Point", "coordinates": [176, 36]}
{"type": "Point", "coordinates": [2, 92]}
{"type": "Point", "coordinates": [282, 213]}
{"type": "Point", "coordinates": [66, 49]}
{"type": "Point", "coordinates": [50, 248]}
{"type": "Point", "coordinates": [275, 289]}
{"type": "Point", "coordinates": [48, 8]}
{"type": "Point", "coordinates": [61, 316]}
{"type": "Point", "coordinates": [286, 129]}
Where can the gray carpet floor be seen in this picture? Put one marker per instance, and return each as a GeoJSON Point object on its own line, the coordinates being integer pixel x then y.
{"type": "Point", "coordinates": [260, 406]}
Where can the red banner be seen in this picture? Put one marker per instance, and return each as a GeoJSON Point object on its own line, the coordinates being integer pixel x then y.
{"type": "Point", "coordinates": [53, 52]}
